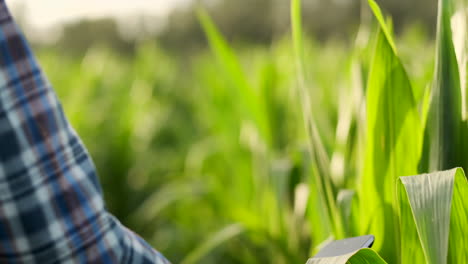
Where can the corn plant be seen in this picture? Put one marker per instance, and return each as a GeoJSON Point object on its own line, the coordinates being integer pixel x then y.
{"type": "Point", "coordinates": [414, 228]}
{"type": "Point", "coordinates": [396, 144]}
{"type": "Point", "coordinates": [264, 154]}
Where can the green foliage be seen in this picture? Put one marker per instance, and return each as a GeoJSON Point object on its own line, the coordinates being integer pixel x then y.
{"type": "Point", "coordinates": [444, 123]}
{"type": "Point", "coordinates": [220, 237]}
{"type": "Point", "coordinates": [320, 161]}
{"type": "Point", "coordinates": [362, 256]}
{"type": "Point", "coordinates": [433, 217]}
{"type": "Point", "coordinates": [392, 139]}
{"type": "Point", "coordinates": [263, 154]}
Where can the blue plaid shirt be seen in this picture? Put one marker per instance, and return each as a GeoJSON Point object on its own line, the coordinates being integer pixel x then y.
{"type": "Point", "coordinates": [51, 205]}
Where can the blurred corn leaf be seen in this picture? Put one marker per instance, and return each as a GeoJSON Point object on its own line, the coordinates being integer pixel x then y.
{"type": "Point", "coordinates": [345, 202]}
{"type": "Point", "coordinates": [320, 163]}
{"type": "Point", "coordinates": [433, 217]}
{"type": "Point", "coordinates": [212, 242]}
{"type": "Point", "coordinates": [252, 105]}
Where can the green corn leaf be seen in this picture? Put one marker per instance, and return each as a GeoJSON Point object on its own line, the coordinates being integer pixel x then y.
{"type": "Point", "coordinates": [433, 217]}
{"type": "Point", "coordinates": [344, 202]}
{"type": "Point", "coordinates": [458, 241]}
{"type": "Point", "coordinates": [383, 26]}
{"type": "Point", "coordinates": [217, 239]}
{"type": "Point", "coordinates": [459, 23]}
{"type": "Point", "coordinates": [443, 128]}
{"type": "Point", "coordinates": [362, 256]}
{"type": "Point", "coordinates": [321, 164]}
{"type": "Point", "coordinates": [393, 140]}
{"type": "Point", "coordinates": [249, 100]}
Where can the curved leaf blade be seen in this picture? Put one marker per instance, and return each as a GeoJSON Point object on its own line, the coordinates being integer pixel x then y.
{"type": "Point", "coordinates": [217, 239]}
{"type": "Point", "coordinates": [433, 217]}
{"type": "Point", "coordinates": [458, 240]}
{"type": "Point", "coordinates": [393, 139]}
{"type": "Point", "coordinates": [362, 256]}
{"type": "Point", "coordinates": [443, 128]}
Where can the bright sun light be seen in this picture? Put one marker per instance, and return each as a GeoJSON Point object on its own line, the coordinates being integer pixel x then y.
{"type": "Point", "coordinates": [45, 13]}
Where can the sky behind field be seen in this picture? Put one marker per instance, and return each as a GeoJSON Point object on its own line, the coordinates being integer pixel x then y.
{"type": "Point", "coordinates": [45, 13]}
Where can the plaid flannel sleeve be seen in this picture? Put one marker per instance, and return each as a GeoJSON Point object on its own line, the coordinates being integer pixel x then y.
{"type": "Point", "coordinates": [51, 205]}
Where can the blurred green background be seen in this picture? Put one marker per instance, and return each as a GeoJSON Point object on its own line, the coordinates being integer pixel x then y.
{"type": "Point", "coordinates": [203, 153]}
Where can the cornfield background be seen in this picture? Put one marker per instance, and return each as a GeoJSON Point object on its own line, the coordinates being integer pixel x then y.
{"type": "Point", "coordinates": [261, 154]}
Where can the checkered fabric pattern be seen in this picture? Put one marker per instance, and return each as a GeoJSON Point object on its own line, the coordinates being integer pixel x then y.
{"type": "Point", "coordinates": [51, 205]}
